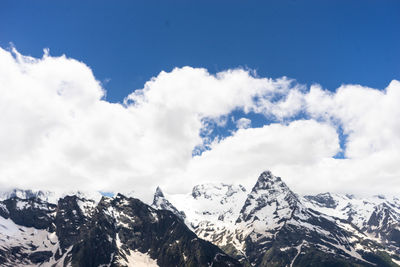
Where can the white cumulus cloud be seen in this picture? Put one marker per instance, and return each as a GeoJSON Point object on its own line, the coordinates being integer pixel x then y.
{"type": "Point", "coordinates": [243, 123]}
{"type": "Point", "coordinates": [59, 132]}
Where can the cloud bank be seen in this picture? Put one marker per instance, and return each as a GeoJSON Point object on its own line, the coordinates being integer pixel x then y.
{"type": "Point", "coordinates": [59, 132]}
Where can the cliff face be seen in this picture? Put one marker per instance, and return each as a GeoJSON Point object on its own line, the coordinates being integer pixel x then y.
{"type": "Point", "coordinates": [117, 231]}
{"type": "Point", "coordinates": [272, 226]}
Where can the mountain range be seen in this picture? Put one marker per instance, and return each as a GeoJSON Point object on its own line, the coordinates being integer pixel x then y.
{"type": "Point", "coordinates": [214, 225]}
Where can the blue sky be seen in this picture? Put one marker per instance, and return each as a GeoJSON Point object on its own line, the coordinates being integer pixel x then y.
{"type": "Point", "coordinates": [126, 43]}
{"type": "Point", "coordinates": [189, 125]}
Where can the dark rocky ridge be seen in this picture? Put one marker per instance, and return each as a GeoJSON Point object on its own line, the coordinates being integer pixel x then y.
{"type": "Point", "coordinates": [31, 212]}
{"type": "Point", "coordinates": [323, 200]}
{"type": "Point", "coordinates": [275, 228]}
{"type": "Point", "coordinates": [385, 223]}
{"type": "Point", "coordinates": [105, 234]}
{"type": "Point", "coordinates": [292, 226]}
{"type": "Point", "coordinates": [162, 203]}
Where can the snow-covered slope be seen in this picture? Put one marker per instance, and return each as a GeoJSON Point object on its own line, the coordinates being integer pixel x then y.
{"type": "Point", "coordinates": [35, 232]}
{"type": "Point", "coordinates": [212, 202]}
{"type": "Point", "coordinates": [378, 217]}
{"type": "Point", "coordinates": [269, 225]}
{"type": "Point", "coordinates": [269, 205]}
{"type": "Point", "coordinates": [355, 209]}
{"type": "Point", "coordinates": [273, 224]}
{"type": "Point", "coordinates": [48, 196]}
{"type": "Point", "coordinates": [118, 231]}
{"type": "Point", "coordinates": [211, 211]}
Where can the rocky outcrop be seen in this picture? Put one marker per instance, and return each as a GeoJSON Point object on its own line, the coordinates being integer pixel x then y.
{"type": "Point", "coordinates": [117, 231]}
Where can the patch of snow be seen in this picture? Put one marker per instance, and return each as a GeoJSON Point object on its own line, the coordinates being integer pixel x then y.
{"type": "Point", "coordinates": [352, 252]}
{"type": "Point", "coordinates": [86, 206]}
{"type": "Point", "coordinates": [217, 203]}
{"type": "Point", "coordinates": [396, 261]}
{"type": "Point", "coordinates": [28, 239]}
{"type": "Point", "coordinates": [298, 253]}
{"type": "Point", "coordinates": [138, 259]}
{"type": "Point", "coordinates": [356, 209]}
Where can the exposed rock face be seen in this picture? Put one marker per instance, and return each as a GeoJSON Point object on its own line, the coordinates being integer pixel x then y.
{"type": "Point", "coordinates": [116, 231]}
{"type": "Point", "coordinates": [384, 224]}
{"type": "Point", "coordinates": [70, 221]}
{"type": "Point", "coordinates": [30, 212]}
{"type": "Point", "coordinates": [160, 202]}
{"type": "Point", "coordinates": [275, 227]}
{"type": "Point", "coordinates": [269, 193]}
{"type": "Point", "coordinates": [269, 226]}
{"type": "Point", "coordinates": [377, 217]}
{"type": "Point", "coordinates": [323, 200]}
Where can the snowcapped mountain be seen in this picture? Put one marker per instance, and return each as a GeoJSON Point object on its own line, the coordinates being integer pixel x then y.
{"type": "Point", "coordinates": [214, 225]}
{"type": "Point", "coordinates": [217, 203]}
{"type": "Point", "coordinates": [48, 196]}
{"type": "Point", "coordinates": [378, 217]}
{"type": "Point", "coordinates": [27, 194]}
{"type": "Point", "coordinates": [272, 226]}
{"type": "Point", "coordinates": [117, 231]}
{"type": "Point", "coordinates": [211, 210]}
{"type": "Point", "coordinates": [162, 203]}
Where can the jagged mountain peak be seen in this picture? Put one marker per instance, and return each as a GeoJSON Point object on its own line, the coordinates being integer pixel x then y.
{"type": "Point", "coordinates": [272, 224]}
{"type": "Point", "coordinates": [267, 179]}
{"type": "Point", "coordinates": [271, 186]}
{"type": "Point", "coordinates": [162, 203]}
{"type": "Point", "coordinates": [267, 174]}
{"type": "Point", "coordinates": [159, 192]}
{"type": "Point", "coordinates": [159, 197]}
{"type": "Point", "coordinates": [120, 196]}
{"type": "Point", "coordinates": [29, 194]}
{"type": "Point", "coordinates": [275, 226]}
{"type": "Point", "coordinates": [116, 231]}
{"type": "Point", "coordinates": [270, 202]}
{"type": "Point", "coordinates": [49, 196]}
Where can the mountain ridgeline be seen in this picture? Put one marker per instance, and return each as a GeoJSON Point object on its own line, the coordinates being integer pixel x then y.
{"type": "Point", "coordinates": [117, 231]}
{"type": "Point", "coordinates": [214, 225]}
{"type": "Point", "coordinates": [273, 226]}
